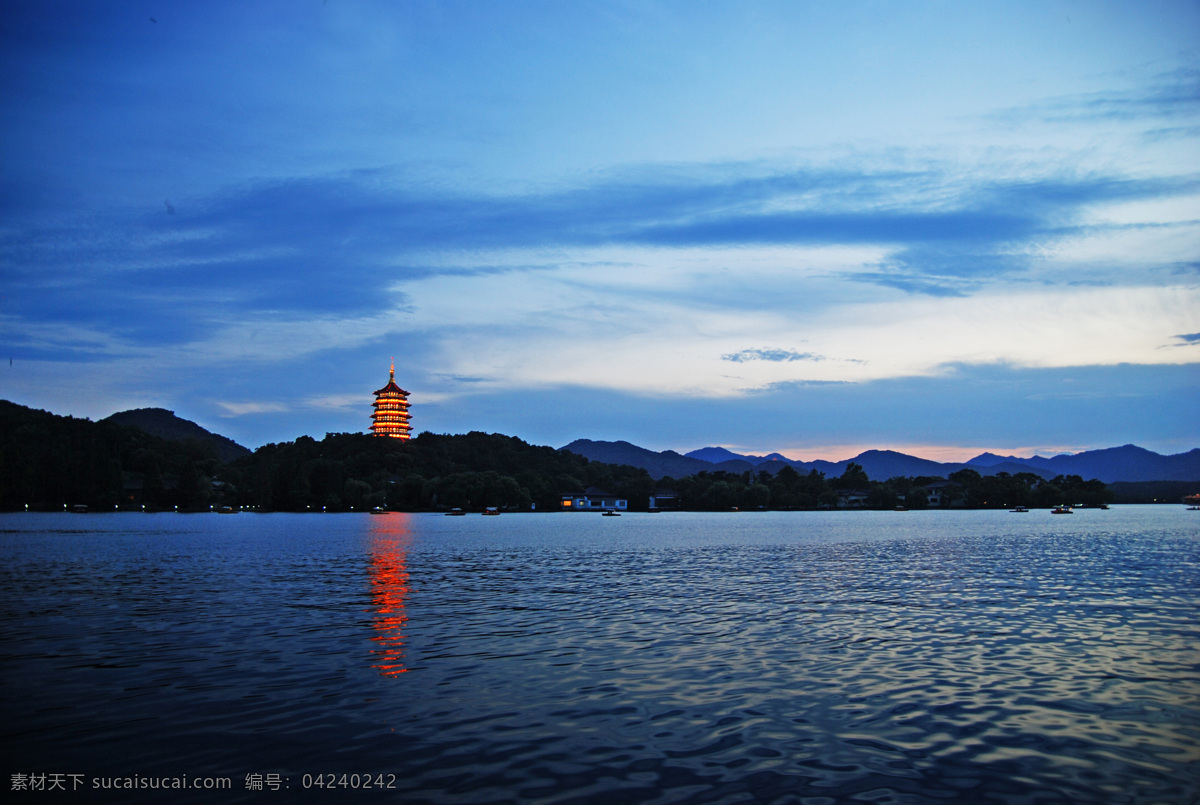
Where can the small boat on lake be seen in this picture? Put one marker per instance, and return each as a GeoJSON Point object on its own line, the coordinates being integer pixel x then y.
{"type": "Point", "coordinates": [611, 514]}
{"type": "Point", "coordinates": [491, 510]}
{"type": "Point", "coordinates": [1062, 510]}
{"type": "Point", "coordinates": [378, 510]}
{"type": "Point", "coordinates": [1017, 509]}
{"type": "Point", "coordinates": [456, 512]}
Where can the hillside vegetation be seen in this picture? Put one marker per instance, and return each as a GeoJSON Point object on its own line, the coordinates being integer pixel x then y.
{"type": "Point", "coordinates": [50, 462]}
{"type": "Point", "coordinates": [789, 489]}
{"type": "Point", "coordinates": [469, 471]}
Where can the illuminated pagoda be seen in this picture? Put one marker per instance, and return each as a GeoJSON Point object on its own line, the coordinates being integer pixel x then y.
{"type": "Point", "coordinates": [391, 410]}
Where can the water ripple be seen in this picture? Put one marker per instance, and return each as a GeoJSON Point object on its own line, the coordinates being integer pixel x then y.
{"type": "Point", "coordinates": [942, 656]}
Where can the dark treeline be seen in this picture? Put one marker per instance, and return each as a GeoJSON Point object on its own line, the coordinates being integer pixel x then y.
{"type": "Point", "coordinates": [1027, 489]}
{"type": "Point", "coordinates": [432, 471]}
{"type": "Point", "coordinates": [50, 462]}
{"type": "Point", "coordinates": [1153, 491]}
{"type": "Point", "coordinates": [789, 489]}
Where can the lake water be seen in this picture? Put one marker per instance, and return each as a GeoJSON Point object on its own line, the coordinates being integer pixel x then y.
{"type": "Point", "coordinates": [809, 657]}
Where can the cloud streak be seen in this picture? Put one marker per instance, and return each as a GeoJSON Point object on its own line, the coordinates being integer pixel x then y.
{"type": "Point", "coordinates": [1167, 95]}
{"type": "Point", "coordinates": [775, 355]}
{"type": "Point", "coordinates": [348, 244]}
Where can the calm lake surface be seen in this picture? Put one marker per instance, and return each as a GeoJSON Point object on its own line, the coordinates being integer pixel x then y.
{"type": "Point", "coordinates": [880, 657]}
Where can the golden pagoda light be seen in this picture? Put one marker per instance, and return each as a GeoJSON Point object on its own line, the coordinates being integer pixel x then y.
{"type": "Point", "coordinates": [390, 417]}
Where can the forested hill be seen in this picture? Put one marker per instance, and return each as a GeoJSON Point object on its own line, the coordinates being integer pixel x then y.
{"type": "Point", "coordinates": [49, 461]}
{"type": "Point", "coordinates": [470, 471]}
{"type": "Point", "coordinates": [164, 424]}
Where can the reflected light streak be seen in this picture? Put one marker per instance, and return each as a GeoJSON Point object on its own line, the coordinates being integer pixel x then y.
{"type": "Point", "coordinates": [390, 540]}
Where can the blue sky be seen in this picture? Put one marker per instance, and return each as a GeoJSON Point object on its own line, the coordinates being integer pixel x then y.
{"type": "Point", "coordinates": [814, 228]}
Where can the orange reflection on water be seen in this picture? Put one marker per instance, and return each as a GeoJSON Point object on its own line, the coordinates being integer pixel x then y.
{"type": "Point", "coordinates": [390, 540]}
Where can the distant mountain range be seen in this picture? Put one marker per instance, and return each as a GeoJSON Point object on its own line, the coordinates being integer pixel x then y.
{"type": "Point", "coordinates": [1115, 464]}
{"type": "Point", "coordinates": [164, 424]}
{"type": "Point", "coordinates": [1126, 464]}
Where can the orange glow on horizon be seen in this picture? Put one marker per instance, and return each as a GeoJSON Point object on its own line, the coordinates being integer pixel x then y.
{"type": "Point", "coordinates": [390, 588]}
{"type": "Point", "coordinates": [934, 452]}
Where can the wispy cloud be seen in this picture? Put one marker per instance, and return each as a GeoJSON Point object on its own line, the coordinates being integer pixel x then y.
{"type": "Point", "coordinates": [931, 286]}
{"type": "Point", "coordinates": [776, 355]}
{"type": "Point", "coordinates": [460, 378]}
{"type": "Point", "coordinates": [236, 409]}
{"type": "Point", "coordinates": [336, 402]}
{"type": "Point", "coordinates": [1167, 95]}
{"type": "Point", "coordinates": [348, 244]}
{"type": "Point", "coordinates": [792, 385]}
